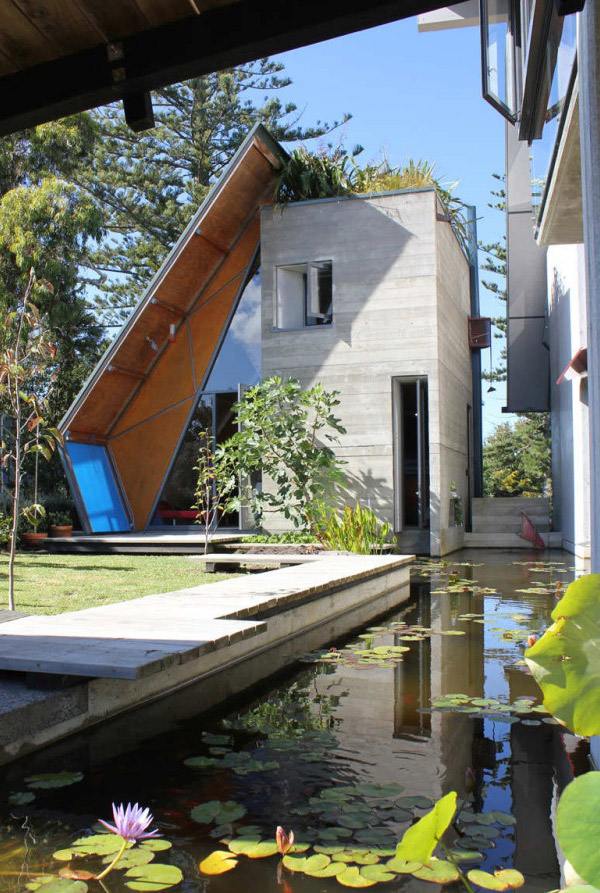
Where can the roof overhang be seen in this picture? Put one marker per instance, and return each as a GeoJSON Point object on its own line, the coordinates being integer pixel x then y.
{"type": "Point", "coordinates": [49, 68]}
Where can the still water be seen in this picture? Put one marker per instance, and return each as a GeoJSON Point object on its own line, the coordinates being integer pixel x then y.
{"type": "Point", "coordinates": [346, 749]}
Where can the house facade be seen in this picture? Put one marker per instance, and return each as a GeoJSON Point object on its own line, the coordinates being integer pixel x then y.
{"type": "Point", "coordinates": [369, 295]}
{"type": "Point", "coordinates": [541, 71]}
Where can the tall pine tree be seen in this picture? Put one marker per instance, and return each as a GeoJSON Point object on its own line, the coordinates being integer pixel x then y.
{"type": "Point", "coordinates": [495, 263]}
{"type": "Point", "coordinates": [150, 184]}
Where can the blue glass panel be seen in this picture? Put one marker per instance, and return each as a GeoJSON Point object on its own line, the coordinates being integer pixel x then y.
{"type": "Point", "coordinates": [239, 359]}
{"type": "Point", "coordinates": [98, 488]}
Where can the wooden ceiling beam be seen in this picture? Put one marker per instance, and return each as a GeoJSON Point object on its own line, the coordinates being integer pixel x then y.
{"type": "Point", "coordinates": [152, 58]}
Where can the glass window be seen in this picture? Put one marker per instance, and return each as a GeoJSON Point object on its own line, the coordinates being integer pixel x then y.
{"type": "Point", "coordinates": [498, 55]}
{"type": "Point", "coordinates": [304, 295]}
{"type": "Point", "coordinates": [559, 62]}
{"type": "Point", "coordinates": [239, 359]}
{"type": "Point", "coordinates": [98, 488]}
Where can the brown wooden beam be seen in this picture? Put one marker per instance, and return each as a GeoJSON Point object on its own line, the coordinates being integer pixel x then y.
{"type": "Point", "coordinates": [218, 38]}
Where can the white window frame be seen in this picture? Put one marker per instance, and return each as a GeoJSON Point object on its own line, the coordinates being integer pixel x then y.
{"type": "Point", "coordinates": [308, 269]}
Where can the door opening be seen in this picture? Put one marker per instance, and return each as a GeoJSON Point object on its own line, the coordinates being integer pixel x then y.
{"type": "Point", "coordinates": [411, 453]}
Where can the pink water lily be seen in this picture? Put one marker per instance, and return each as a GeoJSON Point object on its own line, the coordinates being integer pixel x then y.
{"type": "Point", "coordinates": [131, 822]}
{"type": "Point", "coordinates": [284, 841]}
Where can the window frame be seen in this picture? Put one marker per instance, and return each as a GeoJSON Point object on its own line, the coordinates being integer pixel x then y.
{"type": "Point", "coordinates": [305, 268]}
{"type": "Point", "coordinates": [514, 38]}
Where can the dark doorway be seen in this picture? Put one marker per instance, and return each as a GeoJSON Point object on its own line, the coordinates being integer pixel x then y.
{"type": "Point", "coordinates": [411, 453]}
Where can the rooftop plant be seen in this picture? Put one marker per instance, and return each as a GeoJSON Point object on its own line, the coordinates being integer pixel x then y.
{"type": "Point", "coordinates": [335, 172]}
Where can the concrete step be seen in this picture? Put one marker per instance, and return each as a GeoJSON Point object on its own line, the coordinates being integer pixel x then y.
{"type": "Point", "coordinates": [508, 525]}
{"type": "Point", "coordinates": [475, 540]}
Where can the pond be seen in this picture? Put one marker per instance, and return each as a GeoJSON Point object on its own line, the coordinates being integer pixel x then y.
{"type": "Point", "coordinates": [347, 749]}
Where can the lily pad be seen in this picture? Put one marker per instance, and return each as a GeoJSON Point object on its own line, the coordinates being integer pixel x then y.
{"type": "Point", "coordinates": [331, 870]}
{"type": "Point", "coordinates": [62, 885]}
{"type": "Point", "coordinates": [130, 858]}
{"type": "Point", "coordinates": [218, 811]}
{"type": "Point", "coordinates": [147, 878]}
{"type": "Point", "coordinates": [402, 866]}
{"type": "Point", "coordinates": [353, 877]}
{"type": "Point", "coordinates": [377, 873]}
{"type": "Point", "coordinates": [47, 780]}
{"type": "Point", "coordinates": [94, 845]}
{"type": "Point", "coordinates": [438, 871]}
{"type": "Point", "coordinates": [212, 738]}
{"type": "Point", "coordinates": [578, 825]}
{"type": "Point", "coordinates": [506, 879]}
{"type": "Point", "coordinates": [201, 762]}
{"type": "Point", "coordinates": [254, 849]}
{"type": "Point", "coordinates": [219, 862]}
{"type": "Point", "coordinates": [21, 798]}
{"type": "Point", "coordinates": [415, 802]}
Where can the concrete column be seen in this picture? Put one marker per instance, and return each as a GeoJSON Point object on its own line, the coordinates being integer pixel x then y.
{"type": "Point", "coordinates": [589, 124]}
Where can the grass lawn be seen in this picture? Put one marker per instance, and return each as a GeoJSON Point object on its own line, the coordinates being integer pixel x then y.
{"type": "Point", "coordinates": [51, 584]}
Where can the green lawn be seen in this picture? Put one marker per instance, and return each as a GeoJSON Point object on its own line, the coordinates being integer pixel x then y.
{"type": "Point", "coordinates": [50, 584]}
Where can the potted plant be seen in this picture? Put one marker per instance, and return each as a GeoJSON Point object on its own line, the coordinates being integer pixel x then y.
{"type": "Point", "coordinates": [34, 517]}
{"type": "Point", "coordinates": [61, 524]}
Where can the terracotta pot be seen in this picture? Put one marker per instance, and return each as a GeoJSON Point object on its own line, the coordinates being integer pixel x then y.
{"type": "Point", "coordinates": [61, 530]}
{"type": "Point", "coordinates": [33, 540]}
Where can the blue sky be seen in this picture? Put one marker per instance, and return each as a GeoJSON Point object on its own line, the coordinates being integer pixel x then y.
{"type": "Point", "coordinates": [412, 95]}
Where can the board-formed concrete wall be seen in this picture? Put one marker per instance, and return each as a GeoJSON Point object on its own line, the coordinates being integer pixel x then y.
{"type": "Point", "coordinates": [400, 307]}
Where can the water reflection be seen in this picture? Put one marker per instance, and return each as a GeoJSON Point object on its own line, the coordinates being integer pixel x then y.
{"type": "Point", "coordinates": [325, 725]}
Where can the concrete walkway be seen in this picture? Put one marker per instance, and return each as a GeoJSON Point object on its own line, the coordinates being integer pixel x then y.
{"type": "Point", "coordinates": [136, 638]}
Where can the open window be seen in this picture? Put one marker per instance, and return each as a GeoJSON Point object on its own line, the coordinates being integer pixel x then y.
{"type": "Point", "coordinates": [304, 295]}
{"type": "Point", "coordinates": [499, 36]}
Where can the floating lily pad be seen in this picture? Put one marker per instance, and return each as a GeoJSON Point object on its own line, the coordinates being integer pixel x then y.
{"type": "Point", "coordinates": [219, 862]}
{"type": "Point", "coordinates": [460, 855]}
{"type": "Point", "coordinates": [331, 870]}
{"type": "Point", "coordinates": [506, 879]}
{"type": "Point", "coordinates": [334, 833]}
{"type": "Point", "coordinates": [156, 844]}
{"type": "Point", "coordinates": [201, 762]}
{"type": "Point", "coordinates": [147, 878]}
{"type": "Point", "coordinates": [21, 798]}
{"type": "Point", "coordinates": [416, 802]}
{"type": "Point", "coordinates": [48, 780]}
{"type": "Point", "coordinates": [438, 871]}
{"type": "Point", "coordinates": [39, 881]}
{"type": "Point", "coordinates": [358, 856]}
{"type": "Point", "coordinates": [377, 873]}
{"type": "Point", "coordinates": [94, 845]}
{"type": "Point", "coordinates": [60, 885]}
{"type": "Point", "coordinates": [130, 858]}
{"type": "Point", "coordinates": [253, 849]}
{"type": "Point", "coordinates": [353, 877]}
{"type": "Point", "coordinates": [218, 811]}
{"type": "Point", "coordinates": [212, 738]}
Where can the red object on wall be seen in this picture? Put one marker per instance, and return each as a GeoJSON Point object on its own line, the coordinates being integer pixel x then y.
{"type": "Point", "coordinates": [529, 532]}
{"type": "Point", "coordinates": [577, 365]}
{"type": "Point", "coordinates": [480, 332]}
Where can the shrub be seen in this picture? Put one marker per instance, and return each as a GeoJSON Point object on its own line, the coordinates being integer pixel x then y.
{"type": "Point", "coordinates": [354, 530]}
{"type": "Point", "coordinates": [5, 526]}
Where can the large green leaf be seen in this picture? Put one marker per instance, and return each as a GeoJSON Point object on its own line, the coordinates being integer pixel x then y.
{"type": "Point", "coordinates": [153, 877]}
{"type": "Point", "coordinates": [61, 885]}
{"type": "Point", "coordinates": [217, 811]}
{"type": "Point", "coordinates": [421, 839]}
{"type": "Point", "coordinates": [53, 779]}
{"type": "Point", "coordinates": [94, 845]}
{"type": "Point", "coordinates": [578, 826]}
{"type": "Point", "coordinates": [566, 660]}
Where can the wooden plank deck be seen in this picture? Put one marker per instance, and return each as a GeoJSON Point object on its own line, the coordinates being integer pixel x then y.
{"type": "Point", "coordinates": [132, 639]}
{"type": "Point", "coordinates": [178, 540]}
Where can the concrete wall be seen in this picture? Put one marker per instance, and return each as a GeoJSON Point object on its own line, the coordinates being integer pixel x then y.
{"type": "Point", "coordinates": [570, 430]}
{"type": "Point", "coordinates": [401, 300]}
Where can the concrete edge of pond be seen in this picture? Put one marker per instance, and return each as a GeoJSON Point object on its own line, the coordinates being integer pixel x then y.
{"type": "Point", "coordinates": [285, 613]}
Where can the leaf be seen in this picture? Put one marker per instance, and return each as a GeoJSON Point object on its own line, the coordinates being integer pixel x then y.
{"type": "Point", "coordinates": [331, 870]}
{"type": "Point", "coordinates": [438, 871]}
{"type": "Point", "coordinates": [352, 877]}
{"type": "Point", "coordinates": [294, 863]}
{"type": "Point", "coordinates": [402, 866]}
{"type": "Point", "coordinates": [64, 885]}
{"type": "Point", "coordinates": [578, 826]}
{"type": "Point", "coordinates": [377, 873]}
{"type": "Point", "coordinates": [254, 849]}
{"type": "Point", "coordinates": [130, 858]}
{"type": "Point", "coordinates": [200, 762]}
{"type": "Point", "coordinates": [147, 878]}
{"type": "Point", "coordinates": [218, 862]}
{"type": "Point", "coordinates": [21, 798]}
{"type": "Point", "coordinates": [94, 845]}
{"type": "Point", "coordinates": [53, 780]}
{"type": "Point", "coordinates": [217, 811]}
{"type": "Point", "coordinates": [506, 879]}
{"type": "Point", "coordinates": [565, 661]}
{"type": "Point", "coordinates": [420, 840]}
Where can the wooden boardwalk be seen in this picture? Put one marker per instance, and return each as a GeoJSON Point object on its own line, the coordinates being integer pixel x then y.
{"type": "Point", "coordinates": [132, 639]}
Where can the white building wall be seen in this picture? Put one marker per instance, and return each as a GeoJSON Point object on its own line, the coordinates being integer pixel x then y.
{"type": "Point", "coordinates": [393, 262]}
{"type": "Point", "coordinates": [570, 431]}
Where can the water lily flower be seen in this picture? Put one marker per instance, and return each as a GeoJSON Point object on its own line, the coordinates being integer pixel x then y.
{"type": "Point", "coordinates": [130, 822]}
{"type": "Point", "coordinates": [531, 640]}
{"type": "Point", "coordinates": [284, 841]}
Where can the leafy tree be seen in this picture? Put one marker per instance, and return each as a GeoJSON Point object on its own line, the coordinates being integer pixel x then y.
{"type": "Point", "coordinates": [285, 433]}
{"type": "Point", "coordinates": [26, 352]}
{"type": "Point", "coordinates": [495, 263]}
{"type": "Point", "coordinates": [151, 183]}
{"type": "Point", "coordinates": [517, 460]}
{"type": "Point", "coordinates": [214, 485]}
{"type": "Point", "coordinates": [48, 223]}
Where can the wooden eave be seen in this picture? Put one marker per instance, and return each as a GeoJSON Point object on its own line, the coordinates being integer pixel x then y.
{"type": "Point", "coordinates": [205, 259]}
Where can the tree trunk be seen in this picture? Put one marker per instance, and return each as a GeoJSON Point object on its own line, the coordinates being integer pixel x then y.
{"type": "Point", "coordinates": [15, 505]}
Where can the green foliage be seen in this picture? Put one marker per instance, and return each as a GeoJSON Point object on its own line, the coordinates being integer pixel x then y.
{"type": "Point", "coordinates": [421, 839]}
{"type": "Point", "coordinates": [333, 172]}
{"type": "Point", "coordinates": [60, 519]}
{"type": "Point", "coordinates": [578, 826]}
{"type": "Point", "coordinates": [566, 660]}
{"type": "Point", "coordinates": [215, 483]}
{"type": "Point", "coordinates": [353, 530]}
{"type": "Point", "coordinates": [286, 434]}
{"type": "Point", "coordinates": [290, 537]}
{"type": "Point", "coordinates": [517, 459]}
{"type": "Point", "coordinates": [5, 527]}
{"type": "Point", "coordinates": [34, 517]}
